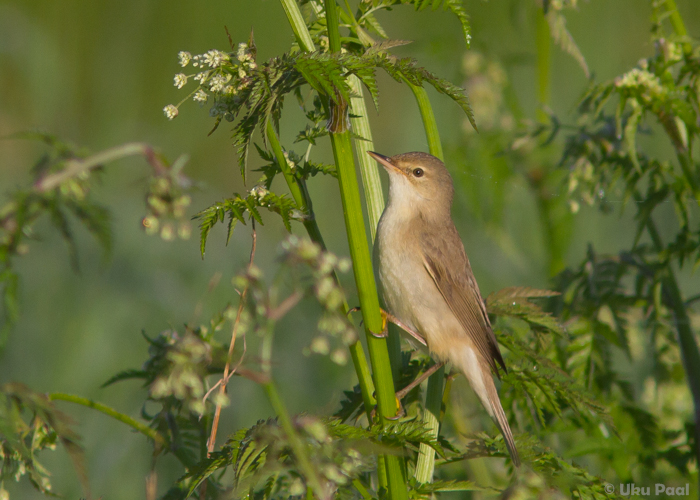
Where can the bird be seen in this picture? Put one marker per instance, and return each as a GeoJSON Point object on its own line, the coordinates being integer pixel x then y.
{"type": "Point", "coordinates": [426, 281]}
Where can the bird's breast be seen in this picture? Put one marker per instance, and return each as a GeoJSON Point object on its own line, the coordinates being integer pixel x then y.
{"type": "Point", "coordinates": [407, 289]}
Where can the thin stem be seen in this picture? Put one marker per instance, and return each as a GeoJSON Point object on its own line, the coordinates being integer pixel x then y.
{"type": "Point", "coordinates": [425, 465]}
{"type": "Point", "coordinates": [301, 198]}
{"type": "Point", "coordinates": [211, 442]}
{"type": "Point", "coordinates": [295, 441]}
{"type": "Point", "coordinates": [296, 187]}
{"type": "Point", "coordinates": [125, 419]}
{"type": "Point", "coordinates": [432, 133]}
{"type": "Point", "coordinates": [297, 445]}
{"type": "Point", "coordinates": [77, 167]}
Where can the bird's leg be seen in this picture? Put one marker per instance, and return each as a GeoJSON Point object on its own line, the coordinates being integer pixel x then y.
{"type": "Point", "coordinates": [404, 327]}
{"type": "Point", "coordinates": [419, 379]}
{"type": "Point", "coordinates": [388, 317]}
{"type": "Point", "coordinates": [402, 393]}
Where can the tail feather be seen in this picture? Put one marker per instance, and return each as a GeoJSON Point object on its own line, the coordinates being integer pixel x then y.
{"type": "Point", "coordinates": [479, 375]}
{"type": "Point", "coordinates": [499, 415]}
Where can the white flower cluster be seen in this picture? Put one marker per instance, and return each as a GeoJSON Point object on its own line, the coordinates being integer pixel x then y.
{"type": "Point", "coordinates": [641, 78]}
{"type": "Point", "coordinates": [200, 96]}
{"type": "Point", "coordinates": [170, 111]}
{"type": "Point", "coordinates": [220, 73]}
{"type": "Point", "coordinates": [180, 80]}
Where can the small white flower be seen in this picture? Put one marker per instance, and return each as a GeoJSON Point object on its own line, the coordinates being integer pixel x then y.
{"type": "Point", "coordinates": [180, 80]}
{"type": "Point", "coordinates": [202, 77]}
{"type": "Point", "coordinates": [252, 65]}
{"type": "Point", "coordinates": [214, 58]}
{"type": "Point", "coordinates": [217, 82]}
{"type": "Point", "coordinates": [241, 72]}
{"type": "Point", "coordinates": [200, 96]}
{"type": "Point", "coordinates": [242, 52]}
{"type": "Point", "coordinates": [230, 90]}
{"type": "Point", "coordinates": [170, 111]}
{"type": "Point", "coordinates": [184, 57]}
{"type": "Point", "coordinates": [197, 61]}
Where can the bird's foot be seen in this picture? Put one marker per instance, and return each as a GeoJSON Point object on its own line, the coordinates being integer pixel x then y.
{"type": "Point", "coordinates": [400, 412]}
{"type": "Point", "coordinates": [387, 317]}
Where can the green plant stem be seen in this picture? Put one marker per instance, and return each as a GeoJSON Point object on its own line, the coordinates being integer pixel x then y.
{"type": "Point", "coordinates": [686, 338]}
{"type": "Point", "coordinates": [296, 21]}
{"type": "Point", "coordinates": [295, 441]}
{"type": "Point", "coordinates": [369, 301]}
{"type": "Point", "coordinates": [677, 23]}
{"type": "Point", "coordinates": [296, 187]}
{"type": "Point", "coordinates": [362, 267]}
{"type": "Point", "coordinates": [357, 353]}
{"type": "Point", "coordinates": [371, 183]}
{"type": "Point", "coordinates": [125, 419]}
{"type": "Point", "coordinates": [297, 445]}
{"type": "Point", "coordinates": [374, 196]}
{"type": "Point", "coordinates": [429, 123]}
{"type": "Point", "coordinates": [425, 465]}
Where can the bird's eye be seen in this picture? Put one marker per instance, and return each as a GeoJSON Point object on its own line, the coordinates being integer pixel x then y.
{"type": "Point", "coordinates": [418, 172]}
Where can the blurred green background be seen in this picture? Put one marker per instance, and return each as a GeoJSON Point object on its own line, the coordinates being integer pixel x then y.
{"type": "Point", "coordinates": [99, 73]}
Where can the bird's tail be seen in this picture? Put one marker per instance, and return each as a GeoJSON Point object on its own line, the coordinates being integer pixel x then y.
{"type": "Point", "coordinates": [480, 379]}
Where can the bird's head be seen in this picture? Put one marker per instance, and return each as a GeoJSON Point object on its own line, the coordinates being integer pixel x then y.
{"type": "Point", "coordinates": [418, 180]}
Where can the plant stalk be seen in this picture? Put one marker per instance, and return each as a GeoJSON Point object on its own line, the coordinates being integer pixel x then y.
{"type": "Point", "coordinates": [125, 419]}
{"type": "Point", "coordinates": [362, 266]}
{"type": "Point", "coordinates": [425, 466]}
{"type": "Point", "coordinates": [303, 201]}
{"type": "Point", "coordinates": [374, 196]}
{"type": "Point", "coordinates": [296, 21]}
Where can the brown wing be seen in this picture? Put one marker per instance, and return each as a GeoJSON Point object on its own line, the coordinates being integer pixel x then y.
{"type": "Point", "coordinates": [449, 267]}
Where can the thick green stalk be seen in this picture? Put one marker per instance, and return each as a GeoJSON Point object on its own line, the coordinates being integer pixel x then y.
{"type": "Point", "coordinates": [425, 466]}
{"type": "Point", "coordinates": [686, 338]}
{"type": "Point", "coordinates": [362, 265]}
{"type": "Point", "coordinates": [374, 197]}
{"type": "Point", "coordinates": [369, 300]}
{"type": "Point", "coordinates": [301, 32]}
{"type": "Point", "coordinates": [296, 21]}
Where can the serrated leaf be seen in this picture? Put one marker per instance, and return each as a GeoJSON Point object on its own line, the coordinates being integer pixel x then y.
{"type": "Point", "coordinates": [562, 37]}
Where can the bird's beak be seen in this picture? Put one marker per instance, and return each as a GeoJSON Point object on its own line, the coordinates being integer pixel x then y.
{"type": "Point", "coordinates": [385, 161]}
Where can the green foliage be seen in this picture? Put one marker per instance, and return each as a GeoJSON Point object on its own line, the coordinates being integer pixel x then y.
{"type": "Point", "coordinates": [565, 393]}
{"type": "Point", "coordinates": [367, 20]}
{"type": "Point", "coordinates": [29, 424]}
